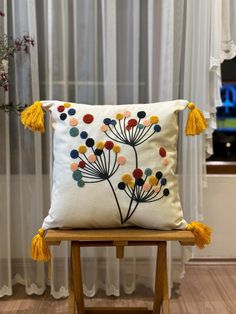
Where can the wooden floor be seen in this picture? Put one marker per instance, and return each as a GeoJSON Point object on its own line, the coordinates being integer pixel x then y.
{"type": "Point", "coordinates": [205, 289]}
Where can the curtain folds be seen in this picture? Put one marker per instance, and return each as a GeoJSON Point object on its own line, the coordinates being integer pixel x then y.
{"type": "Point", "coordinates": [103, 52]}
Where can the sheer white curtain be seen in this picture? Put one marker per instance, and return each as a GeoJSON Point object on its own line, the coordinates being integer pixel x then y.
{"type": "Point", "coordinates": [100, 52]}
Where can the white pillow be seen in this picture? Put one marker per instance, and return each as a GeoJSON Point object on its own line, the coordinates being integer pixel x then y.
{"type": "Point", "coordinates": [115, 166]}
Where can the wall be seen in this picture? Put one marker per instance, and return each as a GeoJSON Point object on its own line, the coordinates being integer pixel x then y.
{"type": "Point", "coordinates": [220, 214]}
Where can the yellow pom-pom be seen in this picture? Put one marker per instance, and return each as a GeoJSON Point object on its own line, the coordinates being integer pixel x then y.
{"type": "Point", "coordinates": [39, 249]}
{"type": "Point", "coordinates": [119, 116]}
{"type": "Point", "coordinates": [100, 145]}
{"type": "Point", "coordinates": [202, 233]}
{"type": "Point", "coordinates": [131, 184]}
{"type": "Point", "coordinates": [67, 105]}
{"type": "Point", "coordinates": [196, 122]}
{"type": "Point", "coordinates": [116, 149]}
{"type": "Point", "coordinates": [152, 180]}
{"type": "Point", "coordinates": [126, 178]}
{"type": "Point", "coordinates": [82, 149]}
{"type": "Point", "coordinates": [33, 117]}
{"type": "Point", "coordinates": [154, 119]}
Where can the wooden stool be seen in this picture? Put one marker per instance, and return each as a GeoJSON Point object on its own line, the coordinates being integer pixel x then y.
{"type": "Point", "coordinates": [118, 238]}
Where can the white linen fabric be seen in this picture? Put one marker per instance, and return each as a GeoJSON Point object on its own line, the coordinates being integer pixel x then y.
{"type": "Point", "coordinates": [102, 52]}
{"type": "Point", "coordinates": [115, 166]}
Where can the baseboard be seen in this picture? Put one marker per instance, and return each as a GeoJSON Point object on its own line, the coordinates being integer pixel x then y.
{"type": "Point", "coordinates": [212, 261]}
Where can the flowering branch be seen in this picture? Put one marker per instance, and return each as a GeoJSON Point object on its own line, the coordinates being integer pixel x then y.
{"type": "Point", "coordinates": [8, 48]}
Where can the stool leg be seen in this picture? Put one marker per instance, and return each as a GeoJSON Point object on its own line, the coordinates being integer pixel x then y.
{"type": "Point", "coordinates": [71, 298]}
{"type": "Point", "coordinates": [165, 302]}
{"type": "Point", "coordinates": [77, 277]}
{"type": "Point", "coordinates": [161, 284]}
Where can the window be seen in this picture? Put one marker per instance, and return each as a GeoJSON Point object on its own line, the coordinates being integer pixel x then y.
{"type": "Point", "coordinates": [224, 137]}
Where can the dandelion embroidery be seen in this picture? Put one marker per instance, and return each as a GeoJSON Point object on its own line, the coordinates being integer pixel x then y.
{"type": "Point", "coordinates": [142, 188]}
{"type": "Point", "coordinates": [97, 162]}
{"type": "Point", "coordinates": [131, 131]}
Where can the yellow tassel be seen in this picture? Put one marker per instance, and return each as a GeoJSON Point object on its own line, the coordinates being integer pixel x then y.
{"type": "Point", "coordinates": [39, 249]}
{"type": "Point", "coordinates": [196, 122]}
{"type": "Point", "coordinates": [33, 117]}
{"type": "Point", "coordinates": [202, 233]}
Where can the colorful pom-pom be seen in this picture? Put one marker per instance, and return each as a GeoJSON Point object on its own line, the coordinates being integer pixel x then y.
{"type": "Point", "coordinates": [121, 160]}
{"type": "Point", "coordinates": [148, 172]}
{"type": "Point", "coordinates": [74, 166]}
{"type": "Point", "coordinates": [165, 161]}
{"type": "Point", "coordinates": [116, 149]}
{"type": "Point", "coordinates": [146, 122]}
{"type": "Point", "coordinates": [140, 126]}
{"type": "Point", "coordinates": [156, 189]}
{"type": "Point", "coordinates": [137, 173]}
{"type": "Point", "coordinates": [100, 145]}
{"type": "Point", "coordinates": [92, 158]}
{"type": "Point", "coordinates": [154, 119]}
{"type": "Point", "coordinates": [127, 114]}
{"type": "Point", "coordinates": [166, 192]}
{"type": "Point", "coordinates": [139, 182]}
{"type": "Point", "coordinates": [157, 128]}
{"type": "Point", "coordinates": [60, 108]}
{"type": "Point", "coordinates": [89, 142]}
{"type": "Point", "coordinates": [77, 175]}
{"type": "Point", "coordinates": [88, 118]}
{"type": "Point", "coordinates": [63, 116]}
{"type": "Point", "coordinates": [83, 135]}
{"type": "Point", "coordinates": [74, 154]}
{"type": "Point", "coordinates": [82, 164]}
{"type": "Point", "coordinates": [98, 152]}
{"type": "Point", "coordinates": [146, 186]}
{"type": "Point", "coordinates": [132, 123]}
{"type": "Point", "coordinates": [158, 175]}
{"type": "Point", "coordinates": [107, 121]}
{"type": "Point", "coordinates": [163, 181]}
{"type": "Point", "coordinates": [74, 132]}
{"type": "Point", "coordinates": [80, 183]}
{"type": "Point", "coordinates": [152, 180]}
{"type": "Point", "coordinates": [67, 105]}
{"type": "Point", "coordinates": [113, 122]}
{"type": "Point", "coordinates": [104, 128]}
{"type": "Point", "coordinates": [109, 145]}
{"type": "Point", "coordinates": [121, 185]}
{"type": "Point", "coordinates": [82, 149]}
{"type": "Point", "coordinates": [119, 116]}
{"type": "Point", "coordinates": [126, 178]}
{"type": "Point", "coordinates": [162, 152]}
{"type": "Point", "coordinates": [71, 112]}
{"type": "Point", "coordinates": [73, 122]}
{"type": "Point", "coordinates": [141, 114]}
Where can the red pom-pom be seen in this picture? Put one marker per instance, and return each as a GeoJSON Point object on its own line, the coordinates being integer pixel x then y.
{"type": "Point", "coordinates": [82, 164]}
{"type": "Point", "coordinates": [128, 127]}
{"type": "Point", "coordinates": [132, 123]}
{"type": "Point", "coordinates": [88, 118]}
{"type": "Point", "coordinates": [109, 145]}
{"type": "Point", "coordinates": [61, 108]}
{"type": "Point", "coordinates": [137, 173]}
{"type": "Point", "coordinates": [162, 152]}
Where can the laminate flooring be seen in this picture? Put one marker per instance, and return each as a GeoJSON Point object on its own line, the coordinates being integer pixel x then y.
{"type": "Point", "coordinates": [205, 289]}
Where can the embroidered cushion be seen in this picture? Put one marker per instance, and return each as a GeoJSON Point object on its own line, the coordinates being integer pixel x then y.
{"type": "Point", "coordinates": [115, 166]}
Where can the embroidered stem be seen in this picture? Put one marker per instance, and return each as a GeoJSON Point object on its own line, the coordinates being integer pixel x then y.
{"type": "Point", "coordinates": [117, 202]}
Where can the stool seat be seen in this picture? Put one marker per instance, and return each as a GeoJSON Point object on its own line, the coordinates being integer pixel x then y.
{"type": "Point", "coordinates": [118, 238]}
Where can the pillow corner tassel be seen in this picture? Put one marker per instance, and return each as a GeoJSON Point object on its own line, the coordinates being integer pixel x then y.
{"type": "Point", "coordinates": [201, 232]}
{"type": "Point", "coordinates": [196, 122]}
{"type": "Point", "coordinates": [39, 249]}
{"type": "Point", "coordinates": [33, 117]}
